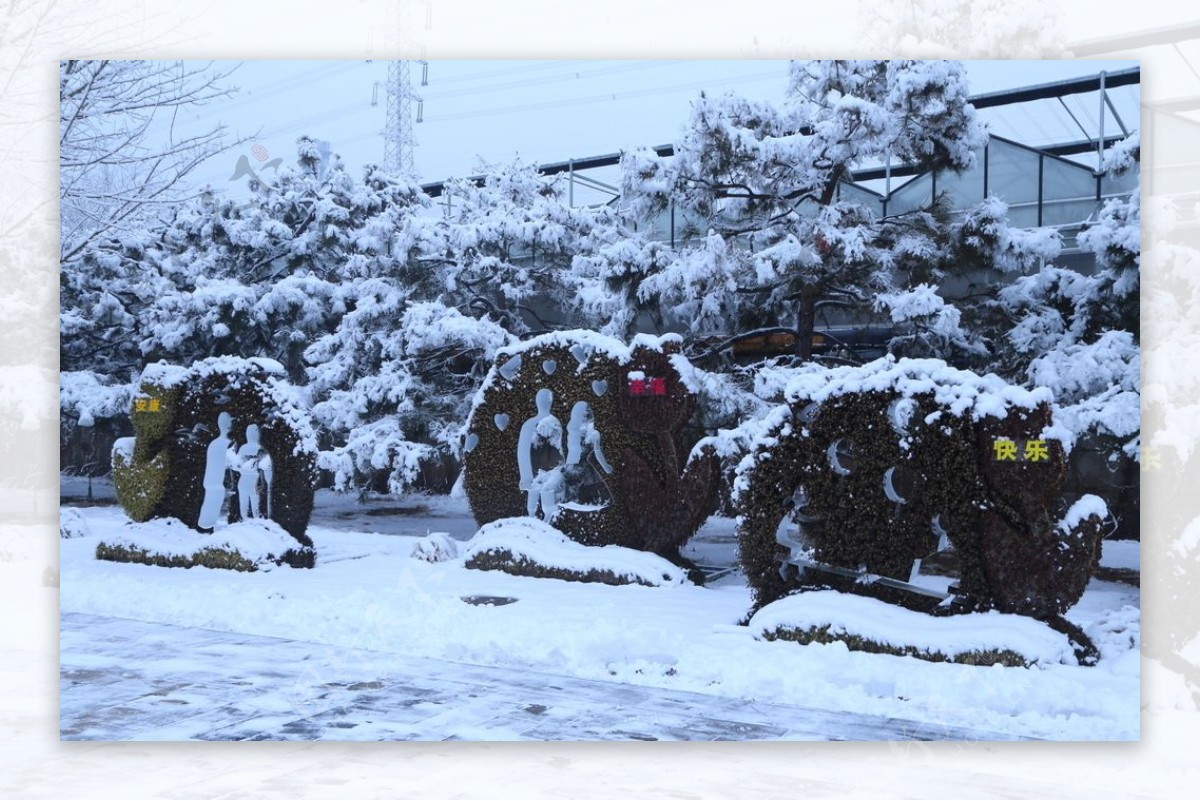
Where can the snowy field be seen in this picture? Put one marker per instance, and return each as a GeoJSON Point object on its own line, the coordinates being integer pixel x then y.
{"type": "Point", "coordinates": [369, 593]}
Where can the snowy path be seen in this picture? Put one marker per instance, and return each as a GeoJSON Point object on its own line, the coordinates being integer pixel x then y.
{"type": "Point", "coordinates": [125, 679]}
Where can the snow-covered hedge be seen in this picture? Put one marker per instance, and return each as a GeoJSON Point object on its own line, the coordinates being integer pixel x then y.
{"type": "Point", "coordinates": [175, 417]}
{"type": "Point", "coordinates": [881, 465]}
{"type": "Point", "coordinates": [621, 409]}
{"type": "Point", "coordinates": [527, 547]}
{"type": "Point", "coordinates": [247, 546]}
{"type": "Point", "coordinates": [867, 624]}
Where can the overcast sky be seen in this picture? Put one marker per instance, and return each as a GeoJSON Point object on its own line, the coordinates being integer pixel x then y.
{"type": "Point", "coordinates": [494, 111]}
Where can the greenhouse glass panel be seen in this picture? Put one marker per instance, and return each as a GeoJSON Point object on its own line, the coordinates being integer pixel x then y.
{"type": "Point", "coordinates": [1120, 184]}
{"type": "Point", "coordinates": [963, 190]}
{"type": "Point", "coordinates": [916, 194]}
{"type": "Point", "coordinates": [849, 193]}
{"type": "Point", "coordinates": [1068, 192]}
{"type": "Point", "coordinates": [1013, 177]}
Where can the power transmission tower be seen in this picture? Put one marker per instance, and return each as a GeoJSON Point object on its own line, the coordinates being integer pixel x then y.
{"type": "Point", "coordinates": [398, 137]}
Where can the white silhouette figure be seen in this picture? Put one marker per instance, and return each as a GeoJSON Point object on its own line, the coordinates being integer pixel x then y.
{"type": "Point", "coordinates": [267, 468]}
{"type": "Point", "coordinates": [542, 488]}
{"type": "Point", "coordinates": [249, 466]}
{"type": "Point", "coordinates": [214, 473]}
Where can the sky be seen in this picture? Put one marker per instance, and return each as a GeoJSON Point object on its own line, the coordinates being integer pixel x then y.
{"type": "Point", "coordinates": [476, 112]}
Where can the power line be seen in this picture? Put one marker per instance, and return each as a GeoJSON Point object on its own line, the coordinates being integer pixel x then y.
{"type": "Point", "coordinates": [545, 65]}
{"type": "Point", "coordinates": [608, 97]}
{"type": "Point", "coordinates": [325, 71]}
{"type": "Point", "coordinates": [611, 97]}
{"type": "Point", "coordinates": [572, 76]}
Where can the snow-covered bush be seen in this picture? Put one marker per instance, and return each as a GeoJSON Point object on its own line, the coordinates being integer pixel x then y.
{"type": "Point", "coordinates": [247, 546]}
{"type": "Point", "coordinates": [435, 547]}
{"type": "Point", "coordinates": [866, 624]}
{"type": "Point", "coordinates": [526, 547]}
{"type": "Point", "coordinates": [623, 410]}
{"type": "Point", "coordinates": [71, 524]}
{"type": "Point", "coordinates": [162, 472]}
{"type": "Point", "coordinates": [889, 463]}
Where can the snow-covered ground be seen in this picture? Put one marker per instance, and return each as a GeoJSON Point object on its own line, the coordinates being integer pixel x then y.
{"type": "Point", "coordinates": [368, 592]}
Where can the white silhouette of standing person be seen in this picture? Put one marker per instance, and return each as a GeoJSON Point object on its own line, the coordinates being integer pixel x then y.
{"type": "Point", "coordinates": [268, 473]}
{"type": "Point", "coordinates": [214, 474]}
{"type": "Point", "coordinates": [541, 487]}
{"type": "Point", "coordinates": [247, 468]}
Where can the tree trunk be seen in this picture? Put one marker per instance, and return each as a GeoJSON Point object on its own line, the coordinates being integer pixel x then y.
{"type": "Point", "coordinates": [805, 321]}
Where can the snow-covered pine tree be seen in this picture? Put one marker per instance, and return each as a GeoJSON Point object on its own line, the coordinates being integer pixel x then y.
{"type": "Point", "coordinates": [1079, 334]}
{"type": "Point", "coordinates": [225, 276]}
{"type": "Point", "coordinates": [394, 380]}
{"type": "Point", "coordinates": [509, 246]}
{"type": "Point", "coordinates": [774, 242]}
{"type": "Point", "coordinates": [265, 277]}
{"type": "Point", "coordinates": [116, 179]}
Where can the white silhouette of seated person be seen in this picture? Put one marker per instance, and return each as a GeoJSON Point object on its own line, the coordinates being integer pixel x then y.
{"type": "Point", "coordinates": [214, 473]}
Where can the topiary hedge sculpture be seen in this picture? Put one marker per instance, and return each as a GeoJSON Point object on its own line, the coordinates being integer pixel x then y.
{"type": "Point", "coordinates": [576, 412]}
{"type": "Point", "coordinates": [192, 425]}
{"type": "Point", "coordinates": [889, 463]}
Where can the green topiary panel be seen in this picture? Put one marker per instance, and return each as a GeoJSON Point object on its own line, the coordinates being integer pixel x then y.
{"type": "Point", "coordinates": [175, 418]}
{"type": "Point", "coordinates": [872, 466]}
{"type": "Point", "coordinates": [140, 485]}
{"type": "Point", "coordinates": [657, 495]}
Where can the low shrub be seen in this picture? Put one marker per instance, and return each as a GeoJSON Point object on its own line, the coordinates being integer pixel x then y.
{"type": "Point", "coordinates": [823, 635]}
{"type": "Point", "coordinates": [504, 560]}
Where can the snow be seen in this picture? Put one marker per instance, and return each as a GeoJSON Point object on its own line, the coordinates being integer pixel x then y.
{"type": "Point", "coordinates": [580, 341]}
{"type": "Point", "coordinates": [960, 391]}
{"type": "Point", "coordinates": [898, 627]}
{"type": "Point", "coordinates": [368, 592]}
{"type": "Point", "coordinates": [123, 447]}
{"type": "Point", "coordinates": [1082, 509]}
{"type": "Point", "coordinates": [1124, 155]}
{"type": "Point", "coordinates": [259, 541]}
{"type": "Point", "coordinates": [545, 545]}
{"type": "Point", "coordinates": [436, 547]}
{"type": "Point", "coordinates": [290, 402]}
{"type": "Point", "coordinates": [84, 396]}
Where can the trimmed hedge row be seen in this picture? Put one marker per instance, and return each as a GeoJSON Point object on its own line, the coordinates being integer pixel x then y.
{"type": "Point", "coordinates": [505, 561]}
{"type": "Point", "coordinates": [821, 634]}
{"type": "Point", "coordinates": [218, 558]}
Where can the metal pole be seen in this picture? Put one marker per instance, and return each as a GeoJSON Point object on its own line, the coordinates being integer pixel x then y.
{"type": "Point", "coordinates": [1041, 175]}
{"type": "Point", "coordinates": [887, 174]}
{"type": "Point", "coordinates": [571, 183]}
{"type": "Point", "coordinates": [1100, 143]}
{"type": "Point", "coordinates": [985, 171]}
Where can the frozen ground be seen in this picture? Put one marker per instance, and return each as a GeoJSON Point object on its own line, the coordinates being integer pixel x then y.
{"type": "Point", "coordinates": [373, 643]}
